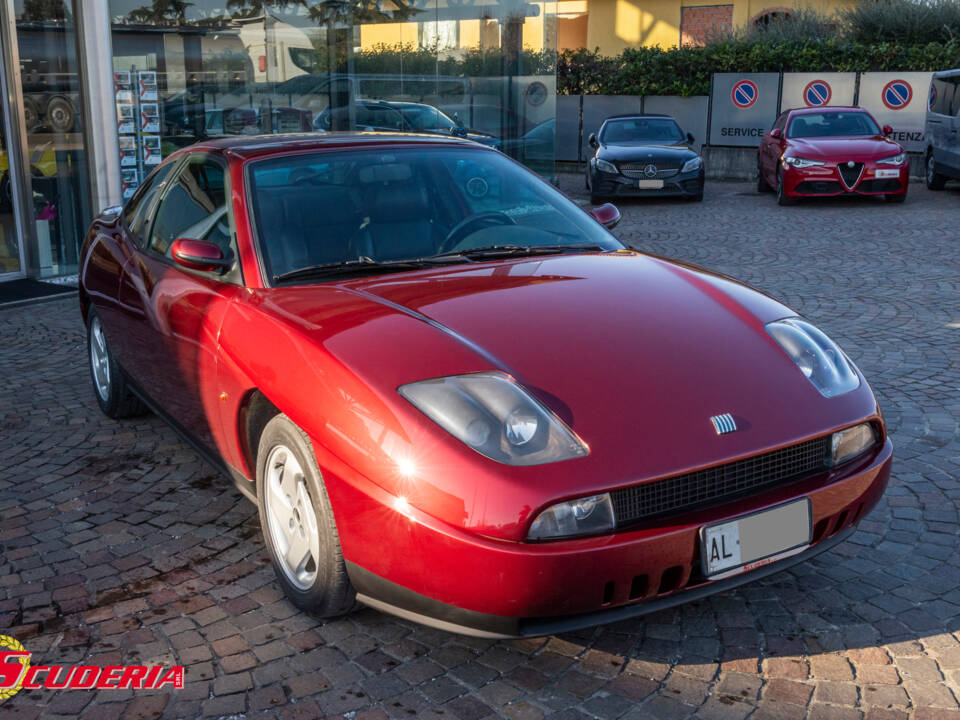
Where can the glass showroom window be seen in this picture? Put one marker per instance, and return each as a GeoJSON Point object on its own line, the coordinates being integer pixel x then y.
{"type": "Point", "coordinates": [46, 40]}
{"type": "Point", "coordinates": [485, 70]}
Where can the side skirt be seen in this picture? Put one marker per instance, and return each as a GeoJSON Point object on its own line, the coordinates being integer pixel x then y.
{"type": "Point", "coordinates": [245, 485]}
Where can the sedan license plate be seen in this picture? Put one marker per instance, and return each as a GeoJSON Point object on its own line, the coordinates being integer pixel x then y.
{"type": "Point", "coordinates": [886, 173]}
{"type": "Point", "coordinates": [650, 184]}
{"type": "Point", "coordinates": [754, 540]}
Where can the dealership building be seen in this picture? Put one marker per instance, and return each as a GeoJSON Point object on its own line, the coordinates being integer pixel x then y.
{"type": "Point", "coordinates": [95, 93]}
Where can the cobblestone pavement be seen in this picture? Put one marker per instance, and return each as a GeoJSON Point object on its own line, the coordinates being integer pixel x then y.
{"type": "Point", "coordinates": [120, 546]}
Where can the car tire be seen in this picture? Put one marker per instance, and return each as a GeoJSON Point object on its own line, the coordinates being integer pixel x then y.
{"type": "Point", "coordinates": [935, 181]}
{"type": "Point", "coordinates": [899, 198]}
{"type": "Point", "coordinates": [60, 114]}
{"type": "Point", "coordinates": [109, 385]}
{"type": "Point", "coordinates": [782, 197]}
{"type": "Point", "coordinates": [296, 518]}
{"type": "Point", "coordinates": [762, 186]}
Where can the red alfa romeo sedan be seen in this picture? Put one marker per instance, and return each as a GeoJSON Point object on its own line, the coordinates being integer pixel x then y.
{"type": "Point", "coordinates": [456, 397]}
{"type": "Point", "coordinates": [828, 151]}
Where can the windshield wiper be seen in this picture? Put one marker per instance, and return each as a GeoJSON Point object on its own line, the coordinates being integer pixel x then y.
{"type": "Point", "coordinates": [497, 251]}
{"type": "Point", "coordinates": [361, 265]}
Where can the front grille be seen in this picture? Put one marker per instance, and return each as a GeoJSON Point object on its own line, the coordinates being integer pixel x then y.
{"type": "Point", "coordinates": [879, 186]}
{"type": "Point", "coordinates": [638, 170]}
{"type": "Point", "coordinates": [850, 174]}
{"type": "Point", "coordinates": [818, 187]}
{"type": "Point", "coordinates": [720, 483]}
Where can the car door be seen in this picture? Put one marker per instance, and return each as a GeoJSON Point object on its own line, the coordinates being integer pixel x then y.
{"type": "Point", "coordinates": [123, 325]}
{"type": "Point", "coordinates": [940, 123]}
{"type": "Point", "coordinates": [951, 144]}
{"type": "Point", "coordinates": [181, 309]}
{"type": "Point", "coordinates": [770, 150]}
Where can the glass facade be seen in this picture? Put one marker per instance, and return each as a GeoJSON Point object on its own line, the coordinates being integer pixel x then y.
{"type": "Point", "coordinates": [185, 71]}
{"type": "Point", "coordinates": [59, 208]}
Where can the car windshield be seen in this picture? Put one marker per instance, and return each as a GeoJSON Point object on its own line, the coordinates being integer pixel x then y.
{"type": "Point", "coordinates": [641, 131]}
{"type": "Point", "coordinates": [424, 117]}
{"type": "Point", "coordinates": [832, 124]}
{"type": "Point", "coordinates": [379, 206]}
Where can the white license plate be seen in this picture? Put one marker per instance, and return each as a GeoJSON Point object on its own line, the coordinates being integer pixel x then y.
{"type": "Point", "coordinates": [752, 541]}
{"type": "Point", "coordinates": [886, 173]}
{"type": "Point", "coordinates": [650, 184]}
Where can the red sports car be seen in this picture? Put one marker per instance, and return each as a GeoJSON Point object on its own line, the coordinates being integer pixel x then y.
{"type": "Point", "coordinates": [456, 397]}
{"type": "Point", "coordinates": [827, 151]}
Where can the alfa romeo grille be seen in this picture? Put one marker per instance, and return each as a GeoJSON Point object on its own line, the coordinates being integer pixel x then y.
{"type": "Point", "coordinates": [720, 483]}
{"type": "Point", "coordinates": [850, 174]}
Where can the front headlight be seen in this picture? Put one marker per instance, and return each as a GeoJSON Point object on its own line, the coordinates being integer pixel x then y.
{"type": "Point", "coordinates": [818, 357]}
{"type": "Point", "coordinates": [801, 162]}
{"type": "Point", "coordinates": [605, 166]}
{"type": "Point", "coordinates": [495, 416]}
{"type": "Point", "coordinates": [691, 165]}
{"type": "Point", "coordinates": [584, 516]}
{"type": "Point", "coordinates": [899, 159]}
{"type": "Point", "coordinates": [847, 444]}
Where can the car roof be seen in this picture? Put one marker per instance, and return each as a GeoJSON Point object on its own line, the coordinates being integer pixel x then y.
{"type": "Point", "coordinates": [638, 116]}
{"type": "Point", "coordinates": [808, 110]}
{"type": "Point", "coordinates": [249, 146]}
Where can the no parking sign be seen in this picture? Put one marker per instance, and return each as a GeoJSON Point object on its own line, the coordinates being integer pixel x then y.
{"type": "Point", "coordinates": [743, 107]}
{"type": "Point", "coordinates": [802, 90]}
{"type": "Point", "coordinates": [898, 100]}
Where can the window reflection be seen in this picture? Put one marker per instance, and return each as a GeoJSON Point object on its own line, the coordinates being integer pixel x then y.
{"type": "Point", "coordinates": [482, 69]}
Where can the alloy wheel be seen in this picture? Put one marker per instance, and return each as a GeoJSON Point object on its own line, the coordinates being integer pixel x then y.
{"type": "Point", "coordinates": [930, 170]}
{"type": "Point", "coordinates": [291, 520]}
{"type": "Point", "coordinates": [99, 360]}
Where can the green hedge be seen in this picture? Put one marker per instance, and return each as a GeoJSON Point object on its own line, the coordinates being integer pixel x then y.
{"type": "Point", "coordinates": [686, 71]}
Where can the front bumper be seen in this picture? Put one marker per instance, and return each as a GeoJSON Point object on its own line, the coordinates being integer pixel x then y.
{"type": "Point", "coordinates": [827, 181]}
{"type": "Point", "coordinates": [419, 568]}
{"type": "Point", "coordinates": [680, 185]}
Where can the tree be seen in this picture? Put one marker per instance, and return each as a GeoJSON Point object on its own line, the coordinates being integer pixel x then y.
{"type": "Point", "coordinates": [161, 12]}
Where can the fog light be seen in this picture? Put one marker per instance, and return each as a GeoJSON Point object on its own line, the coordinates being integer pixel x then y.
{"type": "Point", "coordinates": [847, 444]}
{"type": "Point", "coordinates": [585, 516]}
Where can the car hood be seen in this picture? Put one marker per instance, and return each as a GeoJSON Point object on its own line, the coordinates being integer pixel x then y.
{"type": "Point", "coordinates": [645, 153]}
{"type": "Point", "coordinates": [633, 352]}
{"type": "Point", "coordinates": [859, 149]}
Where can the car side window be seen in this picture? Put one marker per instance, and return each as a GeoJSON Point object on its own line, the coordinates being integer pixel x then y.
{"type": "Point", "coordinates": [135, 212]}
{"type": "Point", "coordinates": [194, 207]}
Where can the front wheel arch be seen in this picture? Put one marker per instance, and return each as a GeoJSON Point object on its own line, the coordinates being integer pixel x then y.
{"type": "Point", "coordinates": [255, 411]}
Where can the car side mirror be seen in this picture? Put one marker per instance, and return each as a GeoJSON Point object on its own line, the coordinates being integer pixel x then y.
{"type": "Point", "coordinates": [457, 120]}
{"type": "Point", "coordinates": [775, 133]}
{"type": "Point", "coordinates": [199, 255]}
{"type": "Point", "coordinates": [458, 131]}
{"type": "Point", "coordinates": [887, 131]}
{"type": "Point", "coordinates": [607, 215]}
{"type": "Point", "coordinates": [690, 139]}
{"type": "Point", "coordinates": [593, 140]}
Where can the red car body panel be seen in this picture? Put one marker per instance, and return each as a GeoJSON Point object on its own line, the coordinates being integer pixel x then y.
{"type": "Point", "coordinates": [632, 352]}
{"type": "Point", "coordinates": [825, 180]}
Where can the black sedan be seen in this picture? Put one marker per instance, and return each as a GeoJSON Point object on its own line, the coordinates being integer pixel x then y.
{"type": "Point", "coordinates": [642, 156]}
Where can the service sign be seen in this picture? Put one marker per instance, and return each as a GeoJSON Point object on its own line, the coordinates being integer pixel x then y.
{"type": "Point", "coordinates": [803, 90]}
{"type": "Point", "coordinates": [744, 106]}
{"type": "Point", "coordinates": [898, 99]}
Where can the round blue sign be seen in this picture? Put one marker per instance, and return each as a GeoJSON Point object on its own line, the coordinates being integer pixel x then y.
{"type": "Point", "coordinates": [744, 93]}
{"type": "Point", "coordinates": [817, 93]}
{"type": "Point", "coordinates": [897, 94]}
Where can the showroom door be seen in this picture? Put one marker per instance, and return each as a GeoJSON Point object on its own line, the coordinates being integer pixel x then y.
{"type": "Point", "coordinates": [11, 247]}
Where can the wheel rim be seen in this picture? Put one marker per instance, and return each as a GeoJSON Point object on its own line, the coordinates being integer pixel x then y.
{"type": "Point", "coordinates": [930, 169]}
{"type": "Point", "coordinates": [291, 521]}
{"type": "Point", "coordinates": [99, 360]}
